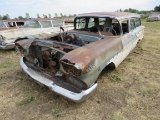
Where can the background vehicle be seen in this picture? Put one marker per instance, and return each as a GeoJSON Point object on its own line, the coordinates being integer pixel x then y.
{"type": "Point", "coordinates": [31, 27]}
{"type": "Point", "coordinates": [154, 16]}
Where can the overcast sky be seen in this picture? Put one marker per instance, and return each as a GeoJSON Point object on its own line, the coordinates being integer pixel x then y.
{"type": "Point", "coordinates": [17, 8]}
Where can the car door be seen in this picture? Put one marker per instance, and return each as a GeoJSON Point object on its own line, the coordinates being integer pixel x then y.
{"type": "Point", "coordinates": [127, 38]}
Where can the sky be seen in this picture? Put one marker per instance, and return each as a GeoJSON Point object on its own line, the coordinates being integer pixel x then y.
{"type": "Point", "coordinates": [17, 8]}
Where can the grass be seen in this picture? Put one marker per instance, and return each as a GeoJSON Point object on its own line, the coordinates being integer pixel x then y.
{"type": "Point", "coordinates": [131, 92]}
{"type": "Point", "coordinates": [117, 116]}
{"type": "Point", "coordinates": [59, 112]}
{"type": "Point", "coordinates": [25, 101]}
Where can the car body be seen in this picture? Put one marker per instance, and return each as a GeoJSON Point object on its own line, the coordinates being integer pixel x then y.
{"type": "Point", "coordinates": [69, 20]}
{"type": "Point", "coordinates": [154, 16]}
{"type": "Point", "coordinates": [11, 24]}
{"type": "Point", "coordinates": [31, 27]}
{"type": "Point", "coordinates": [70, 63]}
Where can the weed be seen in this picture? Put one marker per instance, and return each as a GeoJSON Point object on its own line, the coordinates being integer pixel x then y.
{"type": "Point", "coordinates": [128, 59]}
{"type": "Point", "coordinates": [115, 78]}
{"type": "Point", "coordinates": [25, 101]}
{"type": "Point", "coordinates": [117, 116]}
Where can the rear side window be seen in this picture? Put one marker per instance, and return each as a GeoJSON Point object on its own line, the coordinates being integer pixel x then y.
{"type": "Point", "coordinates": [125, 27]}
{"type": "Point", "coordinates": [32, 24]}
{"type": "Point", "coordinates": [46, 24]}
{"type": "Point", "coordinates": [57, 23]}
{"type": "Point", "coordinates": [137, 22]}
{"type": "Point", "coordinates": [132, 24]}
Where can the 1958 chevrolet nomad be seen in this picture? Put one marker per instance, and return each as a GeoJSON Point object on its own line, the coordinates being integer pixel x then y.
{"type": "Point", "coordinates": [70, 63]}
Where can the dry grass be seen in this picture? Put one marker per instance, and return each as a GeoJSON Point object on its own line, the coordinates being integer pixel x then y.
{"type": "Point", "coordinates": [131, 92]}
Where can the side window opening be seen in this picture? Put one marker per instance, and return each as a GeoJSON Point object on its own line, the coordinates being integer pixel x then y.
{"type": "Point", "coordinates": [132, 24]}
{"type": "Point", "coordinates": [19, 24]}
{"type": "Point", "coordinates": [115, 27]}
{"type": "Point", "coordinates": [137, 22]}
{"type": "Point", "coordinates": [81, 23]}
{"type": "Point", "coordinates": [32, 24]}
{"type": "Point", "coordinates": [10, 24]}
{"type": "Point", "coordinates": [91, 23]}
{"type": "Point", "coordinates": [125, 26]}
{"type": "Point", "coordinates": [46, 24]}
{"type": "Point", "coordinates": [109, 25]}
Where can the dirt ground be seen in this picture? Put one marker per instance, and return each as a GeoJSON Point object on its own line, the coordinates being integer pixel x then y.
{"type": "Point", "coordinates": [130, 92]}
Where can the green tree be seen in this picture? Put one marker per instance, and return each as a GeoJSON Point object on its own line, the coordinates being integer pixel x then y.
{"type": "Point", "coordinates": [61, 15]}
{"type": "Point", "coordinates": [0, 17]}
{"type": "Point", "coordinates": [45, 16]}
{"type": "Point", "coordinates": [131, 10]}
{"type": "Point", "coordinates": [56, 15]}
{"type": "Point", "coordinates": [64, 16]}
{"type": "Point", "coordinates": [70, 15]}
{"type": "Point", "coordinates": [20, 18]}
{"type": "Point", "coordinates": [27, 16]}
{"type": "Point", "coordinates": [38, 16]}
{"type": "Point", "coordinates": [49, 15]}
{"type": "Point", "coordinates": [157, 9]}
{"type": "Point", "coordinates": [5, 17]}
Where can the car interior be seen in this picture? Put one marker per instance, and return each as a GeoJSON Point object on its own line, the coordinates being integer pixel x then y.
{"type": "Point", "coordinates": [99, 24]}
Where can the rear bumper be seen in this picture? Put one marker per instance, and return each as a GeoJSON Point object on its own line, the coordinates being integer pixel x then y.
{"type": "Point", "coordinates": [76, 97]}
{"type": "Point", "coordinates": [7, 46]}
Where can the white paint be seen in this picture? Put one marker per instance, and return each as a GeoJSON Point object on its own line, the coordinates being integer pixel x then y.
{"type": "Point", "coordinates": [117, 59]}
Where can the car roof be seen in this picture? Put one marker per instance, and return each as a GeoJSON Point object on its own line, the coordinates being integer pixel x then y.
{"type": "Point", "coordinates": [12, 20]}
{"type": "Point", "coordinates": [116, 15]}
{"type": "Point", "coordinates": [44, 19]}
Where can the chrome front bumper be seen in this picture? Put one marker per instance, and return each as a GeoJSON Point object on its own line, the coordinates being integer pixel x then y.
{"type": "Point", "coordinates": [76, 97]}
{"type": "Point", "coordinates": [7, 46]}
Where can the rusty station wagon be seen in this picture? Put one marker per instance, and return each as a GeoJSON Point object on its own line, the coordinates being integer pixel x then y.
{"type": "Point", "coordinates": [31, 27]}
{"type": "Point", "coordinates": [70, 63]}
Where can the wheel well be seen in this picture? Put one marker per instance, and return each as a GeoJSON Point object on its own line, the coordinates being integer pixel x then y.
{"type": "Point", "coordinates": [19, 39]}
{"type": "Point", "coordinates": [110, 66]}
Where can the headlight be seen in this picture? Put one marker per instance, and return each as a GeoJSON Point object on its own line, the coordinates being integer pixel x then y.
{"type": "Point", "coordinates": [3, 43]}
{"type": "Point", "coordinates": [70, 68]}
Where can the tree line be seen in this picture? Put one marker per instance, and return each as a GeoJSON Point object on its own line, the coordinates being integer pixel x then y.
{"type": "Point", "coordinates": [27, 16]}
{"type": "Point", "coordinates": [56, 15]}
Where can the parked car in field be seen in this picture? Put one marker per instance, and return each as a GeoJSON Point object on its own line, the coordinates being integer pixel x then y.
{"type": "Point", "coordinates": [154, 16]}
{"type": "Point", "coordinates": [69, 20]}
{"type": "Point", "coordinates": [10, 24]}
{"type": "Point", "coordinates": [31, 27]}
{"type": "Point", "coordinates": [70, 63]}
